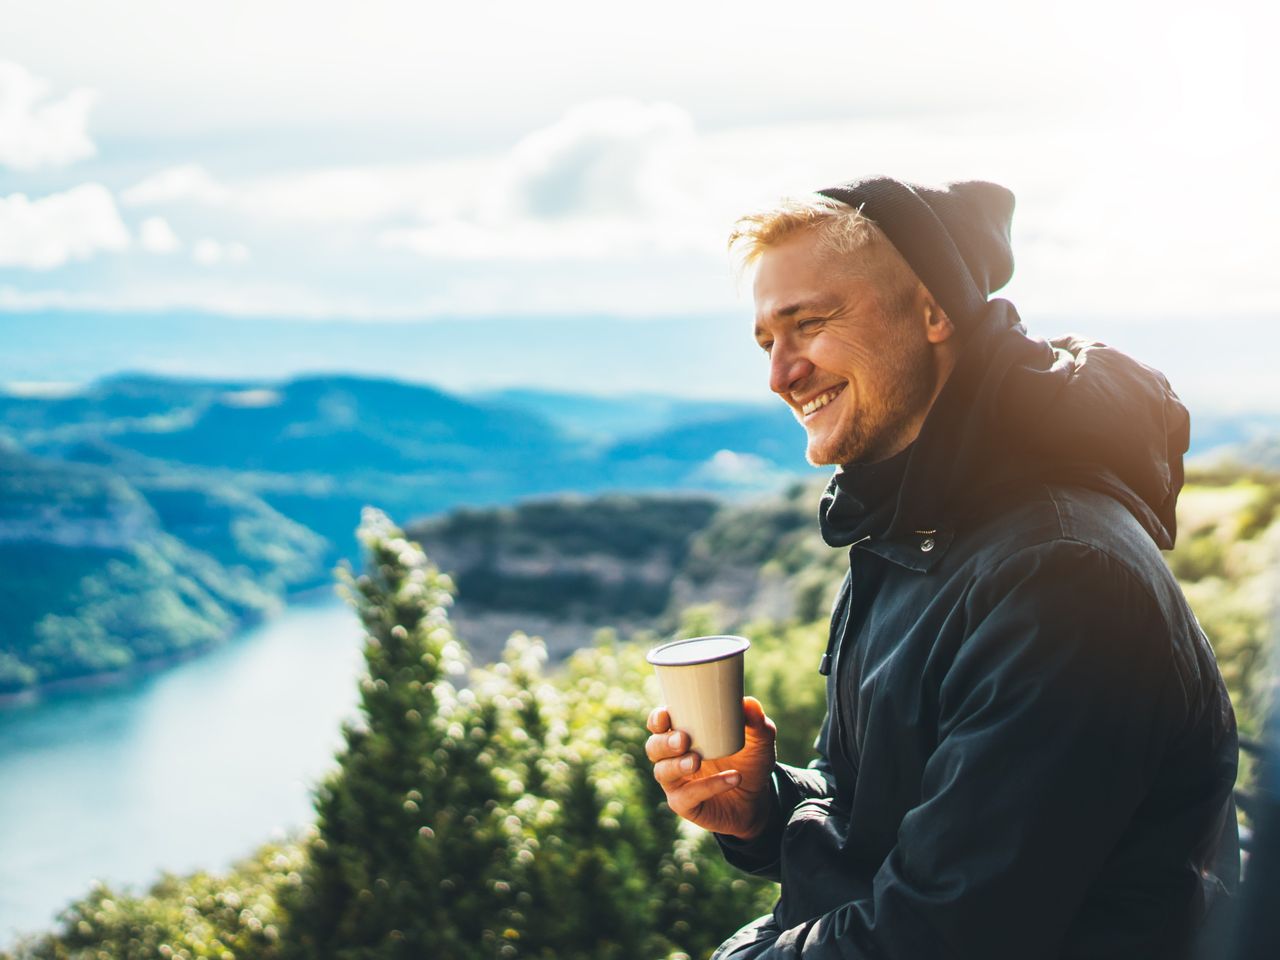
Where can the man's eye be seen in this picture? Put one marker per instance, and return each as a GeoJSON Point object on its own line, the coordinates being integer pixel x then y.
{"type": "Point", "coordinates": [767, 347]}
{"type": "Point", "coordinates": [808, 326]}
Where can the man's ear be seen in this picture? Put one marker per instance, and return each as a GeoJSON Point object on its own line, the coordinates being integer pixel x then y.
{"type": "Point", "coordinates": [937, 325]}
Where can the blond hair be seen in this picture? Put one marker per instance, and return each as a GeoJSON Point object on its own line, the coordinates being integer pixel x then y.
{"type": "Point", "coordinates": [840, 229]}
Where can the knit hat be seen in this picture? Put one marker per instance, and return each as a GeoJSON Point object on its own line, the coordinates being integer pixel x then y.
{"type": "Point", "coordinates": [956, 237]}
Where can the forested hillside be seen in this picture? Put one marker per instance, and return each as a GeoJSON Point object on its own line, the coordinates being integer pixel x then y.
{"type": "Point", "coordinates": [101, 573]}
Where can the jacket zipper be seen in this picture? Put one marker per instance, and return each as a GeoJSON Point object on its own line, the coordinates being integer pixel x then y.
{"type": "Point", "coordinates": [837, 720]}
{"type": "Point", "coordinates": [825, 665]}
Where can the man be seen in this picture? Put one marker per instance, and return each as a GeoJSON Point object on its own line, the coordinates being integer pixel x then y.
{"type": "Point", "coordinates": [1028, 750]}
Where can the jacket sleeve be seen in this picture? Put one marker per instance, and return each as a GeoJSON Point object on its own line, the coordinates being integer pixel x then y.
{"type": "Point", "coordinates": [1052, 712]}
{"type": "Point", "coordinates": [762, 856]}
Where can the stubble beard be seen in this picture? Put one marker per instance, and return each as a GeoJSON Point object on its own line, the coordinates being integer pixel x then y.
{"type": "Point", "coordinates": [877, 432]}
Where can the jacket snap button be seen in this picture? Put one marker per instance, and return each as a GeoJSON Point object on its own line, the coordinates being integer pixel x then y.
{"type": "Point", "coordinates": [926, 544]}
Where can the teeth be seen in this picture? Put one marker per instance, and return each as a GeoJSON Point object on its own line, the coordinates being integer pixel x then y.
{"type": "Point", "coordinates": [820, 401]}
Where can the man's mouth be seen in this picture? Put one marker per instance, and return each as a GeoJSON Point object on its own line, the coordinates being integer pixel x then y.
{"type": "Point", "coordinates": [821, 400]}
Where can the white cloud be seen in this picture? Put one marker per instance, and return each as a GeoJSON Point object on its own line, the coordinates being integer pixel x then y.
{"type": "Point", "coordinates": [252, 399]}
{"type": "Point", "coordinates": [156, 236]}
{"type": "Point", "coordinates": [36, 131]}
{"type": "Point", "coordinates": [188, 182]}
{"type": "Point", "coordinates": [342, 196]}
{"type": "Point", "coordinates": [602, 158]}
{"type": "Point", "coordinates": [209, 252]}
{"type": "Point", "coordinates": [610, 177]}
{"type": "Point", "coordinates": [48, 232]}
{"type": "Point", "coordinates": [586, 177]}
{"type": "Point", "coordinates": [744, 470]}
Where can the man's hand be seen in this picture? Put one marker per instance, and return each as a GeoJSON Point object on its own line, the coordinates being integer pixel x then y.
{"type": "Point", "coordinates": [729, 795]}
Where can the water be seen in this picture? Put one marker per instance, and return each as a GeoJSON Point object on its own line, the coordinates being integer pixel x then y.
{"type": "Point", "coordinates": [190, 768]}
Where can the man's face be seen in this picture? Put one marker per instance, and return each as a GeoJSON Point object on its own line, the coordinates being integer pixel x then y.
{"type": "Point", "coordinates": [859, 380]}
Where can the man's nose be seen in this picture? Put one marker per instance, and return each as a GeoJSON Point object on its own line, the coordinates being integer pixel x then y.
{"type": "Point", "coordinates": [786, 368]}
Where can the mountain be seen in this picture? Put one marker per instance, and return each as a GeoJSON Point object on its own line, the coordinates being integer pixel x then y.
{"type": "Point", "coordinates": [564, 568]}
{"type": "Point", "coordinates": [607, 420]}
{"type": "Point", "coordinates": [142, 516]}
{"type": "Point", "coordinates": [99, 574]}
{"type": "Point", "coordinates": [319, 448]}
{"type": "Point", "coordinates": [769, 434]}
{"type": "Point", "coordinates": [344, 424]}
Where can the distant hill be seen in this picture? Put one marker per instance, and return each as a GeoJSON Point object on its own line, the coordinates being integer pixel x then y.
{"type": "Point", "coordinates": [1243, 436]}
{"type": "Point", "coordinates": [319, 448]}
{"type": "Point", "coordinates": [146, 515]}
{"type": "Point", "coordinates": [98, 573]}
{"type": "Point", "coordinates": [608, 420]}
{"type": "Point", "coordinates": [344, 424]}
{"type": "Point", "coordinates": [566, 567]}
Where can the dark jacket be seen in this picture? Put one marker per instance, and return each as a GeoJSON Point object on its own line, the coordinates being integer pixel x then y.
{"type": "Point", "coordinates": [1028, 751]}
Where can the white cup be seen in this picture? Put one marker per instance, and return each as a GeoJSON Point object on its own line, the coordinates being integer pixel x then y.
{"type": "Point", "coordinates": [701, 681]}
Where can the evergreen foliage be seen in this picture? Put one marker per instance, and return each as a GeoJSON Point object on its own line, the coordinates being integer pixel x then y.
{"type": "Point", "coordinates": [181, 918]}
{"type": "Point", "coordinates": [516, 818]}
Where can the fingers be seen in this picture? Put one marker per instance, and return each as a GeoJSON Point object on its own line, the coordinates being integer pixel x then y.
{"type": "Point", "coordinates": [686, 800]}
{"type": "Point", "coordinates": [674, 769]}
{"type": "Point", "coordinates": [663, 745]}
{"type": "Point", "coordinates": [659, 720]}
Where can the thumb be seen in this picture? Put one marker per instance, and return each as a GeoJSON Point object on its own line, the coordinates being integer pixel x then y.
{"type": "Point", "coordinates": [753, 713]}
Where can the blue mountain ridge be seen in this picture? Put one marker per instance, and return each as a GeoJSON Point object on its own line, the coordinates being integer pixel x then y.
{"type": "Point", "coordinates": [143, 515]}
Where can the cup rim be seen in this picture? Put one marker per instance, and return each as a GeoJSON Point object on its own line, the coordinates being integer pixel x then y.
{"type": "Point", "coordinates": [743, 644]}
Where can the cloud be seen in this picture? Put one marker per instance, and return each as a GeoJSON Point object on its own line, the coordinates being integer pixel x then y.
{"type": "Point", "coordinates": [156, 236]}
{"type": "Point", "coordinates": [345, 196]}
{"type": "Point", "coordinates": [743, 470]}
{"type": "Point", "coordinates": [188, 182]}
{"type": "Point", "coordinates": [48, 232]}
{"type": "Point", "coordinates": [36, 131]}
{"type": "Point", "coordinates": [602, 158]}
{"type": "Point", "coordinates": [609, 178]}
{"type": "Point", "coordinates": [209, 252]}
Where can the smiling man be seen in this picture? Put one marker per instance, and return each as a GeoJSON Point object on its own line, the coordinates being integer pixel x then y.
{"type": "Point", "coordinates": [1028, 749]}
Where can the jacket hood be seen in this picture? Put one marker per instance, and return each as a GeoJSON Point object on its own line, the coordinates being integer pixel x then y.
{"type": "Point", "coordinates": [1017, 409]}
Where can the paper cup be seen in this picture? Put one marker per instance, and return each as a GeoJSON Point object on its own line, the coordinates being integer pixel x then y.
{"type": "Point", "coordinates": [701, 681]}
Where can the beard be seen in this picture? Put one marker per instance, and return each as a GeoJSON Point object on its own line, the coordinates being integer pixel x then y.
{"type": "Point", "coordinates": [883, 425]}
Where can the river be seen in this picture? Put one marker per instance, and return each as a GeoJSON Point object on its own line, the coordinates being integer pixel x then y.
{"type": "Point", "coordinates": [190, 768]}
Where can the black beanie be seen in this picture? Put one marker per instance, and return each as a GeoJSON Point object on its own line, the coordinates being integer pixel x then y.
{"type": "Point", "coordinates": [956, 237]}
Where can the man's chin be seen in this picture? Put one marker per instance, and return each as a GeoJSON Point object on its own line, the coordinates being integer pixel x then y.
{"type": "Point", "coordinates": [820, 455]}
{"type": "Point", "coordinates": [834, 451]}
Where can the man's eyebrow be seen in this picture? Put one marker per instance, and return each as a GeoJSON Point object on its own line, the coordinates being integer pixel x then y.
{"type": "Point", "coordinates": [791, 309]}
{"type": "Point", "coordinates": [799, 306]}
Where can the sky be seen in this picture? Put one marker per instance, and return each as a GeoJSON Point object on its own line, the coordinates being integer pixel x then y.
{"type": "Point", "coordinates": [526, 168]}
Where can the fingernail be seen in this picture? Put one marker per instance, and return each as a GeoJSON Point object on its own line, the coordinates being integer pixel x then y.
{"type": "Point", "coordinates": [732, 779]}
{"type": "Point", "coordinates": [686, 764]}
{"type": "Point", "coordinates": [673, 741]}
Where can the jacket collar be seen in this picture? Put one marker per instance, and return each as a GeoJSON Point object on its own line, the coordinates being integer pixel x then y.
{"type": "Point", "coordinates": [920, 550]}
